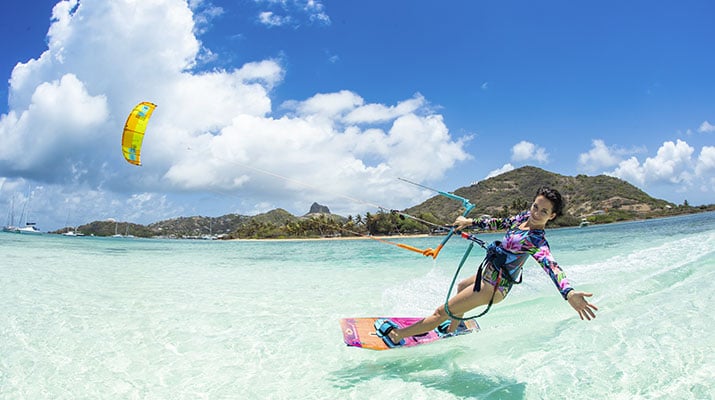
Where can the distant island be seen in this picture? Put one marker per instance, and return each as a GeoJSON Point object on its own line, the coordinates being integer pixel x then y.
{"type": "Point", "coordinates": [589, 200]}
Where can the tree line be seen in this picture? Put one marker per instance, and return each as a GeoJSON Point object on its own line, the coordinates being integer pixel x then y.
{"type": "Point", "coordinates": [381, 223]}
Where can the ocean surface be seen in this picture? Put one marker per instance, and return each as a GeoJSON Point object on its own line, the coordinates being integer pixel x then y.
{"type": "Point", "coordinates": [108, 318]}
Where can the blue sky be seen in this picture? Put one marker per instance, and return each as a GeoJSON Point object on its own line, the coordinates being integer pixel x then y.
{"type": "Point", "coordinates": [340, 99]}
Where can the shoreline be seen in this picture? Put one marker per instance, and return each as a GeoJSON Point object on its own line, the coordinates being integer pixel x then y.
{"type": "Point", "coordinates": [388, 237]}
{"type": "Point", "coordinates": [424, 235]}
{"type": "Point", "coordinates": [419, 235]}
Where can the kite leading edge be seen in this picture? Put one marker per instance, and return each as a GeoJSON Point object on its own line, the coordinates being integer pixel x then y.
{"type": "Point", "coordinates": [134, 130]}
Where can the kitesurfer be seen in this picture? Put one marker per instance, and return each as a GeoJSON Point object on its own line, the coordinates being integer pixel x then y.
{"type": "Point", "coordinates": [501, 269]}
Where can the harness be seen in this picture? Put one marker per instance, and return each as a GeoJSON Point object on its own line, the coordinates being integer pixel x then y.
{"type": "Point", "coordinates": [496, 257]}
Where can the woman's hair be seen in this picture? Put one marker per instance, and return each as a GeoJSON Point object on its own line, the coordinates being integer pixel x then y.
{"type": "Point", "coordinates": [554, 197]}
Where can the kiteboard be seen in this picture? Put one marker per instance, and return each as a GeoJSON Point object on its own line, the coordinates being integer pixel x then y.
{"type": "Point", "coordinates": [361, 332]}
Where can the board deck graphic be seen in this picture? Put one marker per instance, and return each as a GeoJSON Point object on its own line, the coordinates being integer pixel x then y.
{"type": "Point", "coordinates": [361, 332]}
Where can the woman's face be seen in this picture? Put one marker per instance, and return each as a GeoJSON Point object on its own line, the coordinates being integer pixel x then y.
{"type": "Point", "coordinates": [542, 210]}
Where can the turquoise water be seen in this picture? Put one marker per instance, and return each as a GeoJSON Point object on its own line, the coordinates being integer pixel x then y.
{"type": "Point", "coordinates": [101, 318]}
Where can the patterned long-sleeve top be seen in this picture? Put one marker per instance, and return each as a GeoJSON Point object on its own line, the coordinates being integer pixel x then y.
{"type": "Point", "coordinates": [518, 244]}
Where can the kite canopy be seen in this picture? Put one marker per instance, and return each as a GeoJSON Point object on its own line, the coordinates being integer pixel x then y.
{"type": "Point", "coordinates": [134, 130]}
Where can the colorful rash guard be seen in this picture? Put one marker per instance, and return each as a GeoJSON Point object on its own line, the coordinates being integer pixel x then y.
{"type": "Point", "coordinates": [519, 244]}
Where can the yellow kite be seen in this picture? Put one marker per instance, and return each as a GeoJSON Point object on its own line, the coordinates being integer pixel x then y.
{"type": "Point", "coordinates": [134, 131]}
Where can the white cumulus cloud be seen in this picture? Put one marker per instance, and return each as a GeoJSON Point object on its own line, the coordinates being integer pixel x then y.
{"type": "Point", "coordinates": [672, 163]}
{"type": "Point", "coordinates": [599, 157]}
{"type": "Point", "coordinates": [706, 161]}
{"type": "Point", "coordinates": [505, 168]}
{"type": "Point", "coordinates": [527, 151]}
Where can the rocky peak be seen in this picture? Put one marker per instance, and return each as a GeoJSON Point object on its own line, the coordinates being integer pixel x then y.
{"type": "Point", "coordinates": [318, 209]}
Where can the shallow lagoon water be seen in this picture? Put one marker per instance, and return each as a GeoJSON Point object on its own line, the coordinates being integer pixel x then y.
{"type": "Point", "coordinates": [108, 318]}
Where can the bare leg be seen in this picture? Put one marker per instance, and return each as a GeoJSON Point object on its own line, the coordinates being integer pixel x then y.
{"type": "Point", "coordinates": [465, 284]}
{"type": "Point", "coordinates": [465, 300]}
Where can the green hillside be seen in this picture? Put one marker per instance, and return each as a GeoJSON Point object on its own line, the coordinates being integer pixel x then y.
{"type": "Point", "coordinates": [598, 198]}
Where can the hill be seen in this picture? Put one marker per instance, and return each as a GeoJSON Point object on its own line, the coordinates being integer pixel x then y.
{"type": "Point", "coordinates": [198, 226]}
{"type": "Point", "coordinates": [599, 198]}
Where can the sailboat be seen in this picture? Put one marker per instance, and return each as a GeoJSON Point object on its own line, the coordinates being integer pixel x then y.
{"type": "Point", "coordinates": [71, 231]}
{"type": "Point", "coordinates": [10, 226]}
{"type": "Point", "coordinates": [116, 233]}
{"type": "Point", "coordinates": [30, 227]}
{"type": "Point", "coordinates": [126, 234]}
